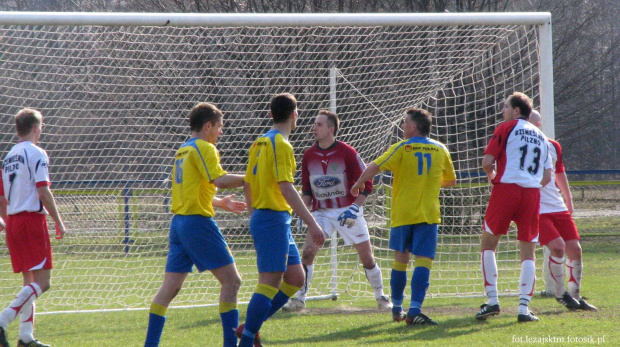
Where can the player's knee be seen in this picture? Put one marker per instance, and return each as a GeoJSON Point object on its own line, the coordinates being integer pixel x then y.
{"type": "Point", "coordinates": [308, 254]}
{"type": "Point", "coordinates": [232, 285]}
{"type": "Point", "coordinates": [44, 285]}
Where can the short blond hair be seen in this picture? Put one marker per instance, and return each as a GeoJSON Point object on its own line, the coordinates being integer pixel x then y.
{"type": "Point", "coordinates": [26, 119]}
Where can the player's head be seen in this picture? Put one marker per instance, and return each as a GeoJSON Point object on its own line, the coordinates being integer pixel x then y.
{"type": "Point", "coordinates": [535, 118]}
{"type": "Point", "coordinates": [282, 107]}
{"type": "Point", "coordinates": [518, 105]}
{"type": "Point", "coordinates": [417, 122]}
{"type": "Point", "coordinates": [28, 120]}
{"type": "Point", "coordinates": [326, 125]}
{"type": "Point", "coordinates": [206, 120]}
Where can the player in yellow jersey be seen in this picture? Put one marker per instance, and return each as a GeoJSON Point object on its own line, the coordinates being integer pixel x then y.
{"type": "Point", "coordinates": [421, 166]}
{"type": "Point", "coordinates": [195, 238]}
{"type": "Point", "coordinates": [271, 198]}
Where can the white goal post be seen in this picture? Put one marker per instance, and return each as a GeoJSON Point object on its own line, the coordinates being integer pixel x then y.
{"type": "Point", "coordinates": [115, 89]}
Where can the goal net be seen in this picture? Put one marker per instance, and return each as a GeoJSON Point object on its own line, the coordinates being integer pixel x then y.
{"type": "Point", "coordinates": [115, 97]}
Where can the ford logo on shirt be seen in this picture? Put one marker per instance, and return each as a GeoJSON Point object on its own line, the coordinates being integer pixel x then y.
{"type": "Point", "coordinates": [326, 181]}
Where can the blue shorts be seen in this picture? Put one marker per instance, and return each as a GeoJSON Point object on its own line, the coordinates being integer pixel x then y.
{"type": "Point", "coordinates": [275, 247]}
{"type": "Point", "coordinates": [419, 239]}
{"type": "Point", "coordinates": [196, 240]}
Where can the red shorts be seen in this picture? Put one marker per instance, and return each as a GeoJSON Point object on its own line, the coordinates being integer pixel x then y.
{"type": "Point", "coordinates": [511, 202]}
{"type": "Point", "coordinates": [28, 240]}
{"type": "Point", "coordinates": [557, 224]}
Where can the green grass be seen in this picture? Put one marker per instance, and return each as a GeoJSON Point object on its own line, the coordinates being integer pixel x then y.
{"type": "Point", "coordinates": [355, 323]}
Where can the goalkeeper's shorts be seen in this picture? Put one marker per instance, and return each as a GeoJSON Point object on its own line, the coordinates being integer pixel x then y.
{"type": "Point", "coordinates": [327, 219]}
{"type": "Point", "coordinates": [196, 240]}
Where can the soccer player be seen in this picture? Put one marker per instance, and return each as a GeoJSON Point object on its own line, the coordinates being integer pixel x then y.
{"type": "Point", "coordinates": [271, 198]}
{"type": "Point", "coordinates": [558, 231]}
{"type": "Point", "coordinates": [328, 170]}
{"type": "Point", "coordinates": [517, 164]}
{"type": "Point", "coordinates": [25, 200]}
{"type": "Point", "coordinates": [195, 238]}
{"type": "Point", "coordinates": [421, 166]}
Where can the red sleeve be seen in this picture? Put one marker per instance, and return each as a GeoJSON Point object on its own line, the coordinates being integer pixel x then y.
{"type": "Point", "coordinates": [497, 144]}
{"type": "Point", "coordinates": [559, 164]}
{"type": "Point", "coordinates": [355, 167]}
{"type": "Point", "coordinates": [305, 174]}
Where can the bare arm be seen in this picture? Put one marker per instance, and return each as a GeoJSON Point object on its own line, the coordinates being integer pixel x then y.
{"type": "Point", "coordinates": [229, 204]}
{"type": "Point", "coordinates": [371, 170]}
{"type": "Point", "coordinates": [229, 181]}
{"type": "Point", "coordinates": [546, 177]}
{"type": "Point", "coordinates": [488, 165]}
{"type": "Point", "coordinates": [562, 182]}
{"type": "Point", "coordinates": [307, 199]}
{"type": "Point", "coordinates": [247, 193]}
{"type": "Point", "coordinates": [294, 200]}
{"type": "Point", "coordinates": [3, 212]}
{"type": "Point", "coordinates": [47, 199]}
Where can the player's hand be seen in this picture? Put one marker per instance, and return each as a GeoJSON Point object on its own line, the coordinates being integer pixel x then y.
{"type": "Point", "coordinates": [231, 205]}
{"type": "Point", "coordinates": [317, 234]}
{"type": "Point", "coordinates": [349, 216]}
{"type": "Point", "coordinates": [60, 231]}
{"type": "Point", "coordinates": [355, 189]}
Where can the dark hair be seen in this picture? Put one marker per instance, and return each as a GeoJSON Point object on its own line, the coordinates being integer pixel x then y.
{"type": "Point", "coordinates": [523, 102]}
{"type": "Point", "coordinates": [201, 114]}
{"type": "Point", "coordinates": [422, 119]}
{"type": "Point", "coordinates": [332, 120]}
{"type": "Point", "coordinates": [282, 105]}
{"type": "Point", "coordinates": [26, 119]}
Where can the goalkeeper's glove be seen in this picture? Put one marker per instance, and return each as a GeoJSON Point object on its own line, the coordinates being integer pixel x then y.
{"type": "Point", "coordinates": [349, 216]}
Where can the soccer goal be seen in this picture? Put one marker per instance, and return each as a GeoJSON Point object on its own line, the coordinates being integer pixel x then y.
{"type": "Point", "coordinates": [115, 90]}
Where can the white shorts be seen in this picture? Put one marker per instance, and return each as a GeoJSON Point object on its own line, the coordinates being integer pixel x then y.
{"type": "Point", "coordinates": [328, 220]}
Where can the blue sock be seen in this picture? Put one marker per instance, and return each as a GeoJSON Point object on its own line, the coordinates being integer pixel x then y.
{"type": "Point", "coordinates": [154, 330]}
{"type": "Point", "coordinates": [230, 322]}
{"type": "Point", "coordinates": [419, 285]}
{"type": "Point", "coordinates": [278, 301]}
{"type": "Point", "coordinates": [398, 282]}
{"type": "Point", "coordinates": [258, 308]}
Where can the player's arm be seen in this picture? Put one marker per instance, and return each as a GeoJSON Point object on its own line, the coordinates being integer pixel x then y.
{"type": "Point", "coordinates": [307, 199]}
{"type": "Point", "coordinates": [47, 199]}
{"type": "Point", "coordinates": [445, 184]}
{"type": "Point", "coordinates": [371, 171]}
{"type": "Point", "coordinates": [229, 181]}
{"type": "Point", "coordinates": [488, 165]}
{"type": "Point", "coordinates": [292, 197]}
{"type": "Point", "coordinates": [561, 180]}
{"type": "Point", "coordinates": [229, 204]}
{"type": "Point", "coordinates": [546, 177]}
{"type": "Point", "coordinates": [3, 212]}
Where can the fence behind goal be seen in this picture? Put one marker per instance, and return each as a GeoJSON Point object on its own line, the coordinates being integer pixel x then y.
{"type": "Point", "coordinates": [115, 97]}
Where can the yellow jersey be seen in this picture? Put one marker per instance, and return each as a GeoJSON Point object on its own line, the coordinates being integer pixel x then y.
{"type": "Point", "coordinates": [419, 165]}
{"type": "Point", "coordinates": [196, 165]}
{"type": "Point", "coordinates": [271, 160]}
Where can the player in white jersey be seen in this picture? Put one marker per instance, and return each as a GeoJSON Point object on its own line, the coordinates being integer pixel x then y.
{"type": "Point", "coordinates": [558, 231]}
{"type": "Point", "coordinates": [517, 164]}
{"type": "Point", "coordinates": [25, 200]}
{"type": "Point", "coordinates": [329, 170]}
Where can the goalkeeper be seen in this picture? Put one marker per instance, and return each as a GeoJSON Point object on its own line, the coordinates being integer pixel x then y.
{"type": "Point", "coordinates": [329, 169]}
{"type": "Point", "coordinates": [421, 166]}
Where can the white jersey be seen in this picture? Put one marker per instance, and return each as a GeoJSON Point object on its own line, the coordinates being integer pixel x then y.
{"type": "Point", "coordinates": [551, 199]}
{"type": "Point", "coordinates": [24, 169]}
{"type": "Point", "coordinates": [520, 152]}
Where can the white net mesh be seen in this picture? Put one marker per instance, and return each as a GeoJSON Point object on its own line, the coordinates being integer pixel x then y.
{"type": "Point", "coordinates": [115, 101]}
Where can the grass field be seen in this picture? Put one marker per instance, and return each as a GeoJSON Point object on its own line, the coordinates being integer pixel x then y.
{"type": "Point", "coordinates": [338, 323]}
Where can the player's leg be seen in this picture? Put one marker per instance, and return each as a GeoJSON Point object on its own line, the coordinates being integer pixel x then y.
{"type": "Point", "coordinates": [574, 271]}
{"type": "Point", "coordinates": [229, 278]}
{"type": "Point", "coordinates": [42, 278]}
{"type": "Point", "coordinates": [423, 247]}
{"type": "Point", "coordinates": [527, 280]}
{"type": "Point", "coordinates": [292, 281]}
{"type": "Point", "coordinates": [259, 306]}
{"type": "Point", "coordinates": [401, 238]}
{"type": "Point", "coordinates": [172, 284]}
{"type": "Point", "coordinates": [373, 274]}
{"type": "Point", "coordinates": [309, 252]}
{"type": "Point", "coordinates": [488, 265]}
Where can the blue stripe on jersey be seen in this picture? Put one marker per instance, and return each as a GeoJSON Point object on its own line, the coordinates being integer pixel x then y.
{"type": "Point", "coordinates": [27, 163]}
{"type": "Point", "coordinates": [192, 142]}
{"type": "Point", "coordinates": [271, 134]}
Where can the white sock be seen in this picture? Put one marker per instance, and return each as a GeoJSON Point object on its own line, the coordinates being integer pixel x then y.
{"type": "Point", "coordinates": [375, 279]}
{"type": "Point", "coordinates": [303, 292]}
{"type": "Point", "coordinates": [526, 284]}
{"type": "Point", "coordinates": [489, 274]}
{"type": "Point", "coordinates": [24, 298]}
{"type": "Point", "coordinates": [556, 269]}
{"type": "Point", "coordinates": [574, 269]}
{"type": "Point", "coordinates": [26, 323]}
